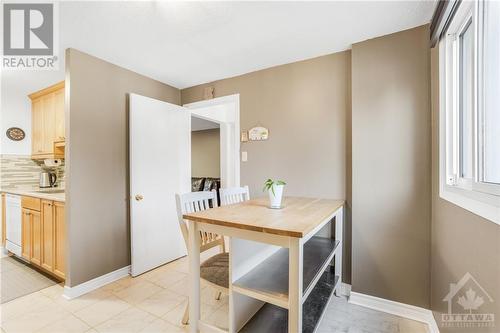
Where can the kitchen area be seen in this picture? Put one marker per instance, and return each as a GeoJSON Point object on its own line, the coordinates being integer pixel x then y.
{"type": "Point", "coordinates": [33, 200]}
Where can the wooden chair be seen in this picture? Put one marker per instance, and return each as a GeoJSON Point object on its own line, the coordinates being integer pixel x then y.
{"type": "Point", "coordinates": [232, 195]}
{"type": "Point", "coordinates": [214, 270]}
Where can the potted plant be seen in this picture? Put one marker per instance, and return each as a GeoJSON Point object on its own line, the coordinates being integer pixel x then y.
{"type": "Point", "coordinates": [275, 190]}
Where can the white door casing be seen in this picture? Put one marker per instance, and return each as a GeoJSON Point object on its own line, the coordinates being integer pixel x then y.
{"type": "Point", "coordinates": [160, 166]}
{"type": "Point", "coordinates": [226, 112]}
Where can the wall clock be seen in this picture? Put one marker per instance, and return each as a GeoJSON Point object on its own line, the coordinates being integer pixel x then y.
{"type": "Point", "coordinates": [15, 134]}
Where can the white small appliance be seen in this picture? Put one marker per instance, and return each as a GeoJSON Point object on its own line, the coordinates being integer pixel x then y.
{"type": "Point", "coordinates": [13, 223]}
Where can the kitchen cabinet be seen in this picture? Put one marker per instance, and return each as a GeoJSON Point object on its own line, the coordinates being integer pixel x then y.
{"type": "Point", "coordinates": [26, 233]}
{"type": "Point", "coordinates": [4, 219]}
{"type": "Point", "coordinates": [59, 240]}
{"type": "Point", "coordinates": [31, 243]}
{"type": "Point", "coordinates": [43, 240]}
{"type": "Point", "coordinates": [47, 114]}
{"type": "Point", "coordinates": [47, 235]}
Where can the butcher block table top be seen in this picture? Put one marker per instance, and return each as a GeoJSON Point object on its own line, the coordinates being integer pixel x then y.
{"type": "Point", "coordinates": [297, 218]}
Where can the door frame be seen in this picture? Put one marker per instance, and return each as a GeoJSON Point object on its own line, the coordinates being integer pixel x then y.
{"type": "Point", "coordinates": [224, 111]}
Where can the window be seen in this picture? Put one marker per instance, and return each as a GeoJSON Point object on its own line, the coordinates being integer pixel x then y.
{"type": "Point", "coordinates": [470, 109]}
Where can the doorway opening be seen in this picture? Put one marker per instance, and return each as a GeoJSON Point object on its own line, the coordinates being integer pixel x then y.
{"type": "Point", "coordinates": [205, 155]}
{"type": "Point", "coordinates": [223, 112]}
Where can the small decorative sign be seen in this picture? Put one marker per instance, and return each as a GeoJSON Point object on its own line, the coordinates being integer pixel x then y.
{"type": "Point", "coordinates": [258, 133]}
{"type": "Point", "coordinates": [15, 134]}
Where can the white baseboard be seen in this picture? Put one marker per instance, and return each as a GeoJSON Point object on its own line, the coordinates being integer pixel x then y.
{"type": "Point", "coordinates": [399, 309]}
{"type": "Point", "coordinates": [98, 282]}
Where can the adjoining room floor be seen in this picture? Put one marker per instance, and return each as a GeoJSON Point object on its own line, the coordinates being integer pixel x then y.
{"type": "Point", "coordinates": [19, 279]}
{"type": "Point", "coordinates": [154, 302]}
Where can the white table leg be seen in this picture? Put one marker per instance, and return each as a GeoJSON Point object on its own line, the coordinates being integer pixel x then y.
{"type": "Point", "coordinates": [295, 277]}
{"type": "Point", "coordinates": [339, 234]}
{"type": "Point", "coordinates": [194, 277]}
{"type": "Point", "coordinates": [232, 324]}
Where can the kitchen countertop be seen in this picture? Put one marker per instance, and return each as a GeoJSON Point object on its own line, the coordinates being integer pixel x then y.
{"type": "Point", "coordinates": [35, 193]}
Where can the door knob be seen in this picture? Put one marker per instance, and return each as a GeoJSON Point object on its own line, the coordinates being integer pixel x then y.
{"type": "Point", "coordinates": [138, 197]}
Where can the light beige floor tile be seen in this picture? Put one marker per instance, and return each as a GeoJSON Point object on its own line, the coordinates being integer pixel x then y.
{"type": "Point", "coordinates": [70, 324]}
{"type": "Point", "coordinates": [175, 315]}
{"type": "Point", "coordinates": [23, 304]}
{"type": "Point", "coordinates": [33, 320]}
{"type": "Point", "coordinates": [208, 296]}
{"type": "Point", "coordinates": [129, 321]}
{"type": "Point", "coordinates": [162, 326]}
{"type": "Point", "coordinates": [167, 278]}
{"type": "Point", "coordinates": [159, 304]}
{"type": "Point", "coordinates": [53, 292]}
{"type": "Point", "coordinates": [182, 287]}
{"type": "Point", "coordinates": [138, 292]}
{"type": "Point", "coordinates": [102, 310]}
{"type": "Point", "coordinates": [220, 318]}
{"type": "Point", "coordinates": [180, 265]}
{"type": "Point", "coordinates": [83, 301]}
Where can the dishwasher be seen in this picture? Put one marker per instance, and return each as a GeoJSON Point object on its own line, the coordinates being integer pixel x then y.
{"type": "Point", "coordinates": [13, 223]}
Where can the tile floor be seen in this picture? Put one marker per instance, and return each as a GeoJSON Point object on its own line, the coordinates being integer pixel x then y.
{"type": "Point", "coordinates": [155, 302]}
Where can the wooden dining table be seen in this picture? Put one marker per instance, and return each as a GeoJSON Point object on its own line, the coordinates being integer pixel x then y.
{"type": "Point", "coordinates": [284, 264]}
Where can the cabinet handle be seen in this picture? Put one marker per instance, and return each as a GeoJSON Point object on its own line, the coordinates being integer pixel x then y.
{"type": "Point", "coordinates": [139, 197]}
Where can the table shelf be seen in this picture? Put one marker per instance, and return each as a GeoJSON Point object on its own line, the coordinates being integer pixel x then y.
{"type": "Point", "coordinates": [274, 319]}
{"type": "Point", "coordinates": [268, 281]}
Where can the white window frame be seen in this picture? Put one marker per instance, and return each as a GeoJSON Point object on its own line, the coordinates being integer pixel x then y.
{"type": "Point", "coordinates": [471, 194]}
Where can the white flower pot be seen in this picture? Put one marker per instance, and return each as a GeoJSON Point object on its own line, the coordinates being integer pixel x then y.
{"type": "Point", "coordinates": [275, 198]}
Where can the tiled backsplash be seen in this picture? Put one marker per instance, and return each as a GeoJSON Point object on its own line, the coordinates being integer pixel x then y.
{"type": "Point", "coordinates": [20, 171]}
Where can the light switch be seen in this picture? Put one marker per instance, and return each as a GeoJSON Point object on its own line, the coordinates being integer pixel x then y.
{"type": "Point", "coordinates": [244, 156]}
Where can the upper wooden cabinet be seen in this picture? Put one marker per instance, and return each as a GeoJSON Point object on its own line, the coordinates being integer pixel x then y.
{"type": "Point", "coordinates": [47, 124]}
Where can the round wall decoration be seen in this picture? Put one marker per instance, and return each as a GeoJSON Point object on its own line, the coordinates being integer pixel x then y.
{"type": "Point", "coordinates": [15, 134]}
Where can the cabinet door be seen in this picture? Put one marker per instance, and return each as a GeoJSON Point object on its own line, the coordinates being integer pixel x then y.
{"type": "Point", "coordinates": [4, 230]}
{"type": "Point", "coordinates": [59, 240]}
{"type": "Point", "coordinates": [47, 261]}
{"type": "Point", "coordinates": [37, 127]}
{"type": "Point", "coordinates": [49, 120]}
{"type": "Point", "coordinates": [26, 234]}
{"type": "Point", "coordinates": [59, 115]}
{"type": "Point", "coordinates": [36, 238]}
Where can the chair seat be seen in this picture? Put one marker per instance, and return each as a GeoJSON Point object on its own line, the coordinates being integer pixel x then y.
{"type": "Point", "coordinates": [216, 270]}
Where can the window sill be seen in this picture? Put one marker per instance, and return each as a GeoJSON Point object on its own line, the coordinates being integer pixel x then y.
{"type": "Point", "coordinates": [485, 205]}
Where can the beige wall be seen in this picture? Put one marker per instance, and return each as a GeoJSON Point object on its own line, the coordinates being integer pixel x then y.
{"type": "Point", "coordinates": [391, 167]}
{"type": "Point", "coordinates": [305, 106]}
{"type": "Point", "coordinates": [461, 241]}
{"type": "Point", "coordinates": [97, 162]}
{"type": "Point", "coordinates": [205, 153]}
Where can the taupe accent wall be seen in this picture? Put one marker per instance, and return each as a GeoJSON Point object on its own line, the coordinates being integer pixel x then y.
{"type": "Point", "coordinates": [305, 105]}
{"type": "Point", "coordinates": [391, 167]}
{"type": "Point", "coordinates": [205, 153]}
{"type": "Point", "coordinates": [97, 162]}
{"type": "Point", "coordinates": [461, 241]}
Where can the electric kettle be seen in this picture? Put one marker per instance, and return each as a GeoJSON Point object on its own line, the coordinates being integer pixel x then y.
{"type": "Point", "coordinates": [47, 179]}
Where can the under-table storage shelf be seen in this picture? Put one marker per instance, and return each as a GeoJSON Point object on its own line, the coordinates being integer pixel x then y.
{"type": "Point", "coordinates": [269, 280]}
{"type": "Point", "coordinates": [274, 319]}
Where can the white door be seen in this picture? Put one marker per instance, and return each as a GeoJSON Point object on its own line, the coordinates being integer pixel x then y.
{"type": "Point", "coordinates": [160, 166]}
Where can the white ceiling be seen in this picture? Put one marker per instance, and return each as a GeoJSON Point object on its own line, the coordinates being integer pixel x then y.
{"type": "Point", "coordinates": [198, 124]}
{"type": "Point", "coordinates": [188, 43]}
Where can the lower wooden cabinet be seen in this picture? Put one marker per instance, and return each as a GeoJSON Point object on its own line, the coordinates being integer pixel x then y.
{"type": "Point", "coordinates": [26, 234]}
{"type": "Point", "coordinates": [47, 235]}
{"type": "Point", "coordinates": [44, 236]}
{"type": "Point", "coordinates": [59, 240]}
{"type": "Point", "coordinates": [36, 238]}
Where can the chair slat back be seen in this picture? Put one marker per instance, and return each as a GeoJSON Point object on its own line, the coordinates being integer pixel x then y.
{"type": "Point", "coordinates": [233, 195]}
{"type": "Point", "coordinates": [194, 202]}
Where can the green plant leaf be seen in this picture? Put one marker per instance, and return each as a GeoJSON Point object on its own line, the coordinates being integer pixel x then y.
{"type": "Point", "coordinates": [280, 182]}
